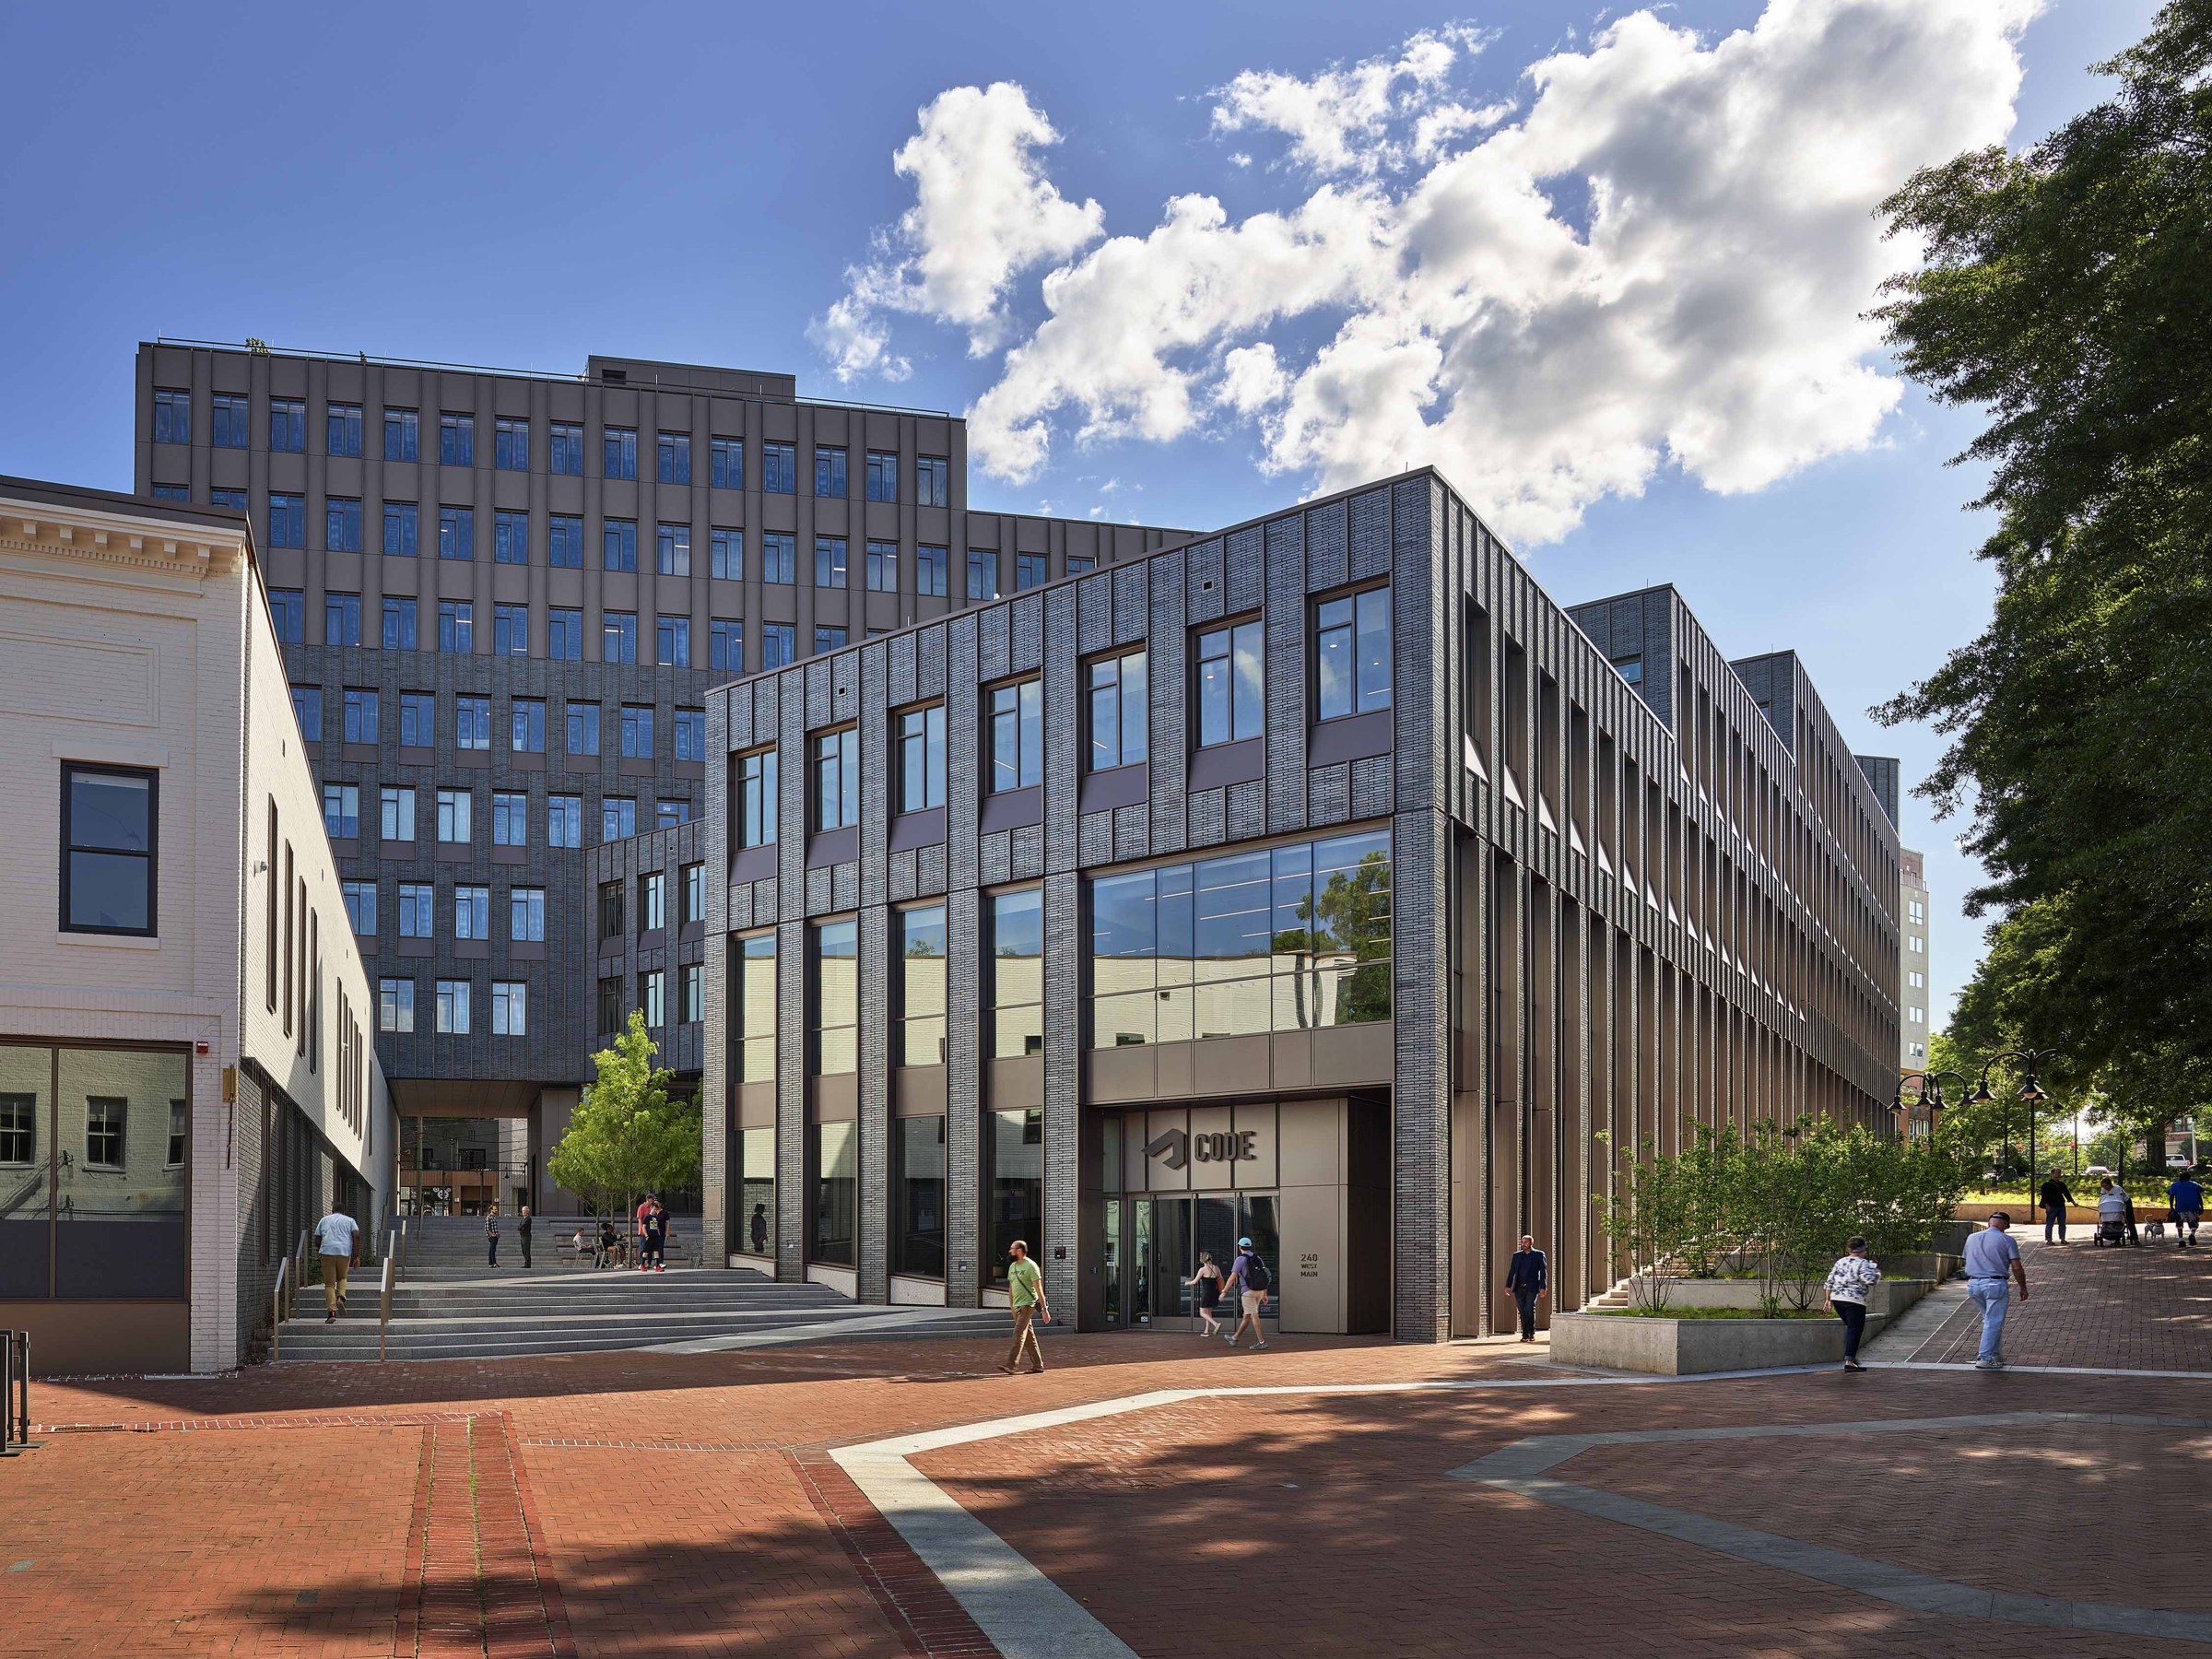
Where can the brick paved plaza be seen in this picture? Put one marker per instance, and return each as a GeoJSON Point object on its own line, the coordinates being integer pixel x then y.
{"type": "Point", "coordinates": [643, 1503]}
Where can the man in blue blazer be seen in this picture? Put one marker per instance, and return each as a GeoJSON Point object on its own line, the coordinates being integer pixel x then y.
{"type": "Point", "coordinates": [1527, 1275]}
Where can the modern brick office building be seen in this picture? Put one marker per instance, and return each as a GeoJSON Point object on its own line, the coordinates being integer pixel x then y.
{"type": "Point", "coordinates": [1320, 879]}
{"type": "Point", "coordinates": [503, 598]}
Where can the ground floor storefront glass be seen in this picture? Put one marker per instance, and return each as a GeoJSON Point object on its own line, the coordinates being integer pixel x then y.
{"type": "Point", "coordinates": [835, 1157]}
{"type": "Point", "coordinates": [1155, 1244]}
{"type": "Point", "coordinates": [756, 1160]}
{"type": "Point", "coordinates": [918, 1197]}
{"type": "Point", "coordinates": [95, 1145]}
{"type": "Point", "coordinates": [1014, 1183]}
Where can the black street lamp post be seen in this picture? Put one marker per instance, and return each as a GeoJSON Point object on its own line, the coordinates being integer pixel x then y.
{"type": "Point", "coordinates": [2031, 1060]}
{"type": "Point", "coordinates": [1929, 1095]}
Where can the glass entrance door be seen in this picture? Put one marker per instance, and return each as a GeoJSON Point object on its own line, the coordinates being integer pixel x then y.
{"type": "Point", "coordinates": [1145, 1281]}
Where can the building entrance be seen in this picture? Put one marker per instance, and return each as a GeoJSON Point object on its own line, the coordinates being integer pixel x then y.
{"type": "Point", "coordinates": [1162, 1238]}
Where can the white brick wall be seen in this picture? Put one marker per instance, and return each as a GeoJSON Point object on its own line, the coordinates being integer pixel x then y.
{"type": "Point", "coordinates": [147, 643]}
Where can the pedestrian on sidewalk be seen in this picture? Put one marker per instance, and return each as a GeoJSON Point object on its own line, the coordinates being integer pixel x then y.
{"type": "Point", "coordinates": [644, 1210]}
{"type": "Point", "coordinates": [2055, 1196]}
{"type": "Point", "coordinates": [652, 1258]}
{"type": "Point", "coordinates": [338, 1239]}
{"type": "Point", "coordinates": [1528, 1277]}
{"type": "Point", "coordinates": [608, 1239]}
{"type": "Point", "coordinates": [522, 1230]}
{"type": "Point", "coordinates": [1249, 1278]}
{"type": "Point", "coordinates": [1848, 1281]}
{"type": "Point", "coordinates": [491, 1230]}
{"type": "Point", "coordinates": [1208, 1280]}
{"type": "Point", "coordinates": [2186, 1199]}
{"type": "Point", "coordinates": [2112, 1212]}
{"type": "Point", "coordinates": [1993, 1265]}
{"type": "Point", "coordinates": [1025, 1294]}
{"type": "Point", "coordinates": [759, 1230]}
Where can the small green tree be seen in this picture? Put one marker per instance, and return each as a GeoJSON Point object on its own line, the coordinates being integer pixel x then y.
{"type": "Point", "coordinates": [1648, 1219]}
{"type": "Point", "coordinates": [627, 1137]}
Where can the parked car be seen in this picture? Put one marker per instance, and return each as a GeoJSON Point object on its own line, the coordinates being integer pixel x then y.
{"type": "Point", "coordinates": [2177, 1160]}
{"type": "Point", "coordinates": [2098, 1171]}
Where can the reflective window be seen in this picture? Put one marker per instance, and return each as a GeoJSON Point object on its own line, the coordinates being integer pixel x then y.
{"type": "Point", "coordinates": [1016, 715]}
{"type": "Point", "coordinates": [756, 798]}
{"type": "Point", "coordinates": [1351, 653]}
{"type": "Point", "coordinates": [836, 778]}
{"type": "Point", "coordinates": [753, 1006]}
{"type": "Point", "coordinates": [1117, 711]}
{"type": "Point", "coordinates": [1015, 992]}
{"type": "Point", "coordinates": [920, 974]}
{"type": "Point", "coordinates": [109, 842]}
{"type": "Point", "coordinates": [920, 742]}
{"type": "Point", "coordinates": [918, 1197]}
{"type": "Point", "coordinates": [836, 998]}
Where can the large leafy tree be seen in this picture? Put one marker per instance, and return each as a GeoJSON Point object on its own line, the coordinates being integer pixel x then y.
{"type": "Point", "coordinates": [2068, 291]}
{"type": "Point", "coordinates": [627, 1137]}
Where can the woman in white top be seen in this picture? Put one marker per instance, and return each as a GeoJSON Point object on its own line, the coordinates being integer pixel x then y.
{"type": "Point", "coordinates": [1848, 1282]}
{"type": "Point", "coordinates": [1209, 1280]}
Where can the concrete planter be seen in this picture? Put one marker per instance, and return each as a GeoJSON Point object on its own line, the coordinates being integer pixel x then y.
{"type": "Point", "coordinates": [1681, 1347]}
{"type": "Point", "coordinates": [1744, 1293]}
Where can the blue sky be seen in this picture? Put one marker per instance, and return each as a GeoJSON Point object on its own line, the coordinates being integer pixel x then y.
{"type": "Point", "coordinates": [522, 187]}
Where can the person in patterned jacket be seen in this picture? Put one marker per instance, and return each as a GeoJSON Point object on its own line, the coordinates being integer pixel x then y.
{"type": "Point", "coordinates": [1848, 1281]}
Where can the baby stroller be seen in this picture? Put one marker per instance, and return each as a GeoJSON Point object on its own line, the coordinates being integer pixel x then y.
{"type": "Point", "coordinates": [2111, 1229]}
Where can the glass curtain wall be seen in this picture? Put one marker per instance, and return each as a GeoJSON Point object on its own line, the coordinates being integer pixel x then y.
{"type": "Point", "coordinates": [1017, 974]}
{"type": "Point", "coordinates": [756, 1191]}
{"type": "Point", "coordinates": [920, 942]}
{"type": "Point", "coordinates": [836, 1159]}
{"type": "Point", "coordinates": [1014, 1147]}
{"type": "Point", "coordinates": [753, 1009]}
{"type": "Point", "coordinates": [1294, 938]}
{"type": "Point", "coordinates": [918, 1197]}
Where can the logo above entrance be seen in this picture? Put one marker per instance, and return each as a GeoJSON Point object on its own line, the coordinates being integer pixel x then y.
{"type": "Point", "coordinates": [1176, 1148]}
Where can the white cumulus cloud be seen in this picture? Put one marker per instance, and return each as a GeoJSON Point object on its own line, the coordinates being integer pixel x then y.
{"type": "Point", "coordinates": [1660, 258]}
{"type": "Point", "coordinates": [983, 212]}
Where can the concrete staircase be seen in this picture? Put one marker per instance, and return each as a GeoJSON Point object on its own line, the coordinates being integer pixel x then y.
{"type": "Point", "coordinates": [451, 1306]}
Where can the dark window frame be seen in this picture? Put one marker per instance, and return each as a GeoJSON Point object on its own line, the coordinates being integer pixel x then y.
{"type": "Point", "coordinates": [152, 856]}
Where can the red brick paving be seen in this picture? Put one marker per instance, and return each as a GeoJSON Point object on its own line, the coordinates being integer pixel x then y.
{"type": "Point", "coordinates": [2146, 1309]}
{"type": "Point", "coordinates": [649, 1504]}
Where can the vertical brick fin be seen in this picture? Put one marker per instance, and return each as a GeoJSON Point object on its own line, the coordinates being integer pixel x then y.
{"type": "Point", "coordinates": [963, 1095]}
{"type": "Point", "coordinates": [1062, 1106]}
{"type": "Point", "coordinates": [790, 1103]}
{"type": "Point", "coordinates": [1285, 667]}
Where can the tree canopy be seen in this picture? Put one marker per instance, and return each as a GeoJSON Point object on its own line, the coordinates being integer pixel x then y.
{"type": "Point", "coordinates": [2066, 291]}
{"type": "Point", "coordinates": [627, 1137]}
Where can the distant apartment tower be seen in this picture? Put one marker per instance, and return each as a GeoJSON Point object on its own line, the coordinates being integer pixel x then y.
{"type": "Point", "coordinates": [502, 599]}
{"type": "Point", "coordinates": [1912, 954]}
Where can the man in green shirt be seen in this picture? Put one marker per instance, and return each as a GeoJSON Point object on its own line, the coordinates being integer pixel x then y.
{"type": "Point", "coordinates": [1024, 1289]}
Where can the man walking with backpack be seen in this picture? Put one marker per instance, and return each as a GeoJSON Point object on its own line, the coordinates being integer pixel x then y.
{"type": "Point", "coordinates": [1249, 1280]}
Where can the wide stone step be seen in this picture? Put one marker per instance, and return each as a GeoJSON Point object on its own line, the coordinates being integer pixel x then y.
{"type": "Point", "coordinates": [350, 1341]}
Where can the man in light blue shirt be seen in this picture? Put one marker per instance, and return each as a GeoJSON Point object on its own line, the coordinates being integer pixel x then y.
{"type": "Point", "coordinates": [1993, 1260]}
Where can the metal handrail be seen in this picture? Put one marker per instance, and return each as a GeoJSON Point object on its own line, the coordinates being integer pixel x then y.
{"type": "Point", "coordinates": [298, 1271]}
{"type": "Point", "coordinates": [383, 1318]}
{"type": "Point", "coordinates": [277, 1311]}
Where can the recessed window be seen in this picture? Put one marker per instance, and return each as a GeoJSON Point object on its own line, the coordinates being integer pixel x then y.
{"type": "Point", "coordinates": [583, 728]}
{"type": "Point", "coordinates": [526, 915]}
{"type": "Point", "coordinates": [1232, 693]}
{"type": "Point", "coordinates": [110, 842]}
{"type": "Point", "coordinates": [399, 625]}
{"type": "Point", "coordinates": [755, 804]}
{"type": "Point", "coordinates": [726, 555]}
{"type": "Point", "coordinates": [1081, 564]}
{"type": "Point", "coordinates": [1115, 689]}
{"type": "Point", "coordinates": [694, 1008]}
{"type": "Point", "coordinates": [172, 492]}
{"type": "Point", "coordinates": [456, 440]}
{"type": "Point", "coordinates": [618, 637]}
{"type": "Point", "coordinates": [672, 458]}
{"type": "Point", "coordinates": [452, 1007]}
{"type": "Point", "coordinates": [672, 641]}
{"type": "Point", "coordinates": [510, 631]}
{"type": "Point", "coordinates": [691, 734]}
{"type": "Point", "coordinates": [564, 634]}
{"type": "Point", "coordinates": [827, 639]}
{"type": "Point", "coordinates": [779, 468]}
{"type": "Point", "coordinates": [401, 432]}
{"type": "Point", "coordinates": [509, 1008]}
{"type": "Point", "coordinates": [288, 426]}
{"type": "Point", "coordinates": [342, 811]}
{"type": "Point", "coordinates": [882, 476]}
{"type": "Point", "coordinates": [233, 499]}
{"type": "Point", "coordinates": [564, 449]}
{"type": "Point", "coordinates": [829, 473]}
{"type": "Point", "coordinates": [725, 462]}
{"type": "Point", "coordinates": [725, 645]}
{"type": "Point", "coordinates": [360, 907]}
{"type": "Point", "coordinates": [618, 544]}
{"type": "Point", "coordinates": [921, 756]}
{"type": "Point", "coordinates": [672, 544]}
{"type": "Point", "coordinates": [341, 430]}
{"type": "Point", "coordinates": [1629, 668]}
{"type": "Point", "coordinates": [456, 533]}
{"type": "Point", "coordinates": [830, 561]}
{"type": "Point", "coordinates": [472, 912]}
{"type": "Point", "coordinates": [611, 1005]}
{"type": "Point", "coordinates": [882, 567]}
{"type": "Point", "coordinates": [18, 1129]}
{"type": "Point", "coordinates": [511, 538]}
{"type": "Point", "coordinates": [454, 816]}
{"type": "Point", "coordinates": [982, 575]}
{"type": "Point", "coordinates": [401, 529]}
{"type": "Point", "coordinates": [694, 893]}
{"type": "Point", "coordinates": [395, 1004]}
{"type": "Point", "coordinates": [668, 814]}
{"type": "Point", "coordinates": [509, 819]}
{"type": "Point", "coordinates": [288, 614]}
{"type": "Point", "coordinates": [836, 778]}
{"type": "Point", "coordinates": [779, 645]}
{"type": "Point", "coordinates": [619, 453]}
{"type": "Point", "coordinates": [564, 542]}
{"type": "Point", "coordinates": [342, 524]}
{"type": "Point", "coordinates": [418, 719]}
{"type": "Point", "coordinates": [341, 618]}
{"type": "Point", "coordinates": [288, 521]}
{"type": "Point", "coordinates": [1351, 653]}
{"type": "Point", "coordinates": [472, 722]}
{"type": "Point", "coordinates": [637, 731]}
{"type": "Point", "coordinates": [1017, 714]}
{"type": "Point", "coordinates": [173, 416]}
{"type": "Point", "coordinates": [919, 972]}
{"type": "Point", "coordinates": [1029, 572]}
{"type": "Point", "coordinates": [307, 710]}
{"type": "Point", "coordinates": [618, 818]}
{"type": "Point", "coordinates": [929, 572]}
{"type": "Point", "coordinates": [511, 444]}
{"type": "Point", "coordinates": [932, 481]}
{"type": "Point", "coordinates": [396, 818]}
{"type": "Point", "coordinates": [653, 997]}
{"type": "Point", "coordinates": [564, 820]}
{"type": "Point", "coordinates": [1017, 974]}
{"type": "Point", "coordinates": [652, 901]}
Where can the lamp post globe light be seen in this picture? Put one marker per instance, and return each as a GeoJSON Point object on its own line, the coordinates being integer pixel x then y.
{"type": "Point", "coordinates": [2031, 1062]}
{"type": "Point", "coordinates": [1928, 1087]}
